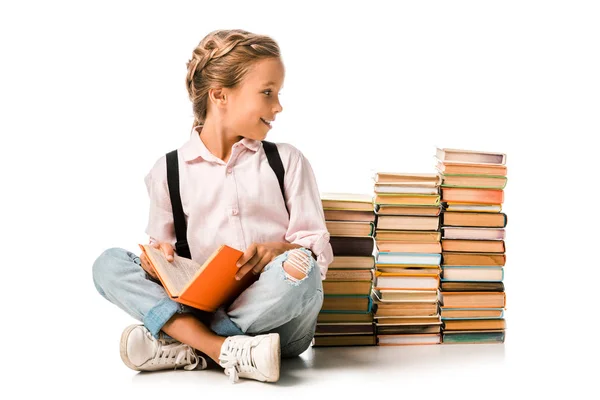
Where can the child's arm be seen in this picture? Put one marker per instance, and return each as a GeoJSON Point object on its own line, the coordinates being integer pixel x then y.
{"type": "Point", "coordinates": [307, 221]}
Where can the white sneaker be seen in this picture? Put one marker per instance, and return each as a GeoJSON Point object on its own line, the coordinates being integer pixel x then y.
{"type": "Point", "coordinates": [140, 351]}
{"type": "Point", "coordinates": [253, 357]}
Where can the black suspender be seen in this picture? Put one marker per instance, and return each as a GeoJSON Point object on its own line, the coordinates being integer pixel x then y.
{"type": "Point", "coordinates": [181, 246]}
{"type": "Point", "coordinates": [275, 163]}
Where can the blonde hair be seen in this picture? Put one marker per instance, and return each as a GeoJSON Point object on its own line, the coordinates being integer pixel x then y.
{"type": "Point", "coordinates": [222, 59]}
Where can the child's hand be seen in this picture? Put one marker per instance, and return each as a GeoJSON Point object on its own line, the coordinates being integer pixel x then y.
{"type": "Point", "coordinates": [258, 255]}
{"type": "Point", "coordinates": [148, 267]}
{"type": "Point", "coordinates": [166, 248]}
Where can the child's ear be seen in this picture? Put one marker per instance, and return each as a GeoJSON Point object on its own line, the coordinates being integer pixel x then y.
{"type": "Point", "coordinates": [217, 96]}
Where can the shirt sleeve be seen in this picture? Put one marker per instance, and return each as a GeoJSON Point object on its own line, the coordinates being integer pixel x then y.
{"type": "Point", "coordinates": [307, 221]}
{"type": "Point", "coordinates": [161, 227]}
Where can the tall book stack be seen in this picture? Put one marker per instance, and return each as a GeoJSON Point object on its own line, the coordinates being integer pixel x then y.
{"type": "Point", "coordinates": [346, 318]}
{"type": "Point", "coordinates": [407, 275]}
{"type": "Point", "coordinates": [473, 251]}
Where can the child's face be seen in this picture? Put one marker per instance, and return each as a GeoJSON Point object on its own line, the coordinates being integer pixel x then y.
{"type": "Point", "coordinates": [254, 103]}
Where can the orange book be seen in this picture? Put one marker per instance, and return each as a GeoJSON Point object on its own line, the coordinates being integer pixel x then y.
{"type": "Point", "coordinates": [476, 219]}
{"type": "Point", "coordinates": [479, 259]}
{"type": "Point", "coordinates": [408, 222]}
{"type": "Point", "coordinates": [407, 199]}
{"type": "Point", "coordinates": [347, 287]}
{"type": "Point", "coordinates": [205, 287]}
{"type": "Point", "coordinates": [473, 246]}
{"type": "Point", "coordinates": [349, 215]}
{"type": "Point", "coordinates": [404, 309]}
{"type": "Point", "coordinates": [390, 209]}
{"type": "Point", "coordinates": [408, 235]}
{"type": "Point", "coordinates": [479, 196]}
{"type": "Point", "coordinates": [473, 299]}
{"type": "Point", "coordinates": [408, 247]}
{"type": "Point", "coordinates": [475, 181]}
{"type": "Point", "coordinates": [472, 169]}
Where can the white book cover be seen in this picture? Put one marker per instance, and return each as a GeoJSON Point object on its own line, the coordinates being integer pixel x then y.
{"type": "Point", "coordinates": [409, 258]}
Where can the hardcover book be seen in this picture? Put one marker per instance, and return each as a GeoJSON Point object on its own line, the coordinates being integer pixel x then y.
{"type": "Point", "coordinates": [205, 287]}
{"type": "Point", "coordinates": [470, 156]}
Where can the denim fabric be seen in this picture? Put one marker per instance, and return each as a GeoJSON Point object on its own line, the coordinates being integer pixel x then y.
{"type": "Point", "coordinates": [273, 303]}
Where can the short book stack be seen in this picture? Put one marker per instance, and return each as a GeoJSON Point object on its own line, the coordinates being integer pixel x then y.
{"type": "Point", "coordinates": [346, 318]}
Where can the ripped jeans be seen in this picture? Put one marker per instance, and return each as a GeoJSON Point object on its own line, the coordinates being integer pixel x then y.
{"type": "Point", "coordinates": [275, 303]}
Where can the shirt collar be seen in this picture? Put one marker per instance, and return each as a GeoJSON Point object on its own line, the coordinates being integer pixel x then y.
{"type": "Point", "coordinates": [195, 148]}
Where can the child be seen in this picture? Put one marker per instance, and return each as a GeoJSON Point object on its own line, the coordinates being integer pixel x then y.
{"type": "Point", "coordinates": [230, 195]}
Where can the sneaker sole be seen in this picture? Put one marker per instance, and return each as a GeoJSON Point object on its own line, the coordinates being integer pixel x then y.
{"type": "Point", "coordinates": [123, 347]}
{"type": "Point", "coordinates": [276, 354]}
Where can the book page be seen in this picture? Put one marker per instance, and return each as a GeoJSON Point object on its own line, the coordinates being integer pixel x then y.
{"type": "Point", "coordinates": [175, 274]}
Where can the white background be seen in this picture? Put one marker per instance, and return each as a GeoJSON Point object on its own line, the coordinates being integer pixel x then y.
{"type": "Point", "coordinates": [92, 94]}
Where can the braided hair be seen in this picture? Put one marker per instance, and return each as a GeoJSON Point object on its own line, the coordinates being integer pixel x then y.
{"type": "Point", "coordinates": [222, 59]}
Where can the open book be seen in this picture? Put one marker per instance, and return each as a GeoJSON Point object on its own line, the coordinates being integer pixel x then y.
{"type": "Point", "coordinates": [205, 287]}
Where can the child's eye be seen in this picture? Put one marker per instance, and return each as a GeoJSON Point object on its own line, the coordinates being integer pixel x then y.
{"type": "Point", "coordinates": [267, 92]}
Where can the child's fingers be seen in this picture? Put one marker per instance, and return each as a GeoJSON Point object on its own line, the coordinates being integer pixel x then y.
{"type": "Point", "coordinates": [254, 267]}
{"type": "Point", "coordinates": [248, 266]}
{"type": "Point", "coordinates": [248, 254]}
{"type": "Point", "coordinates": [244, 269]}
{"type": "Point", "coordinates": [257, 269]}
{"type": "Point", "coordinates": [167, 249]}
{"type": "Point", "coordinates": [147, 266]}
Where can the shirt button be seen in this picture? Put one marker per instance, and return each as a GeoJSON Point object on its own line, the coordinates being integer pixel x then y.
{"type": "Point", "coordinates": [234, 211]}
{"type": "Point", "coordinates": [229, 171]}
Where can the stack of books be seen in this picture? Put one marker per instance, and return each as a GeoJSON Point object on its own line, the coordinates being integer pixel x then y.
{"type": "Point", "coordinates": [346, 318]}
{"type": "Point", "coordinates": [472, 293]}
{"type": "Point", "coordinates": [407, 273]}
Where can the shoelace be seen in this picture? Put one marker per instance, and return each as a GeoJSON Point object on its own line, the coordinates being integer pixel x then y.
{"type": "Point", "coordinates": [182, 353]}
{"type": "Point", "coordinates": [237, 359]}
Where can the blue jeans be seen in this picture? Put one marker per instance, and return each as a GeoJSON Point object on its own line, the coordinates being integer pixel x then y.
{"type": "Point", "coordinates": [272, 304]}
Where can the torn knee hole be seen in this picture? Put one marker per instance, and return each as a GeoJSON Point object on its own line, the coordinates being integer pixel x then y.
{"type": "Point", "coordinates": [297, 265]}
